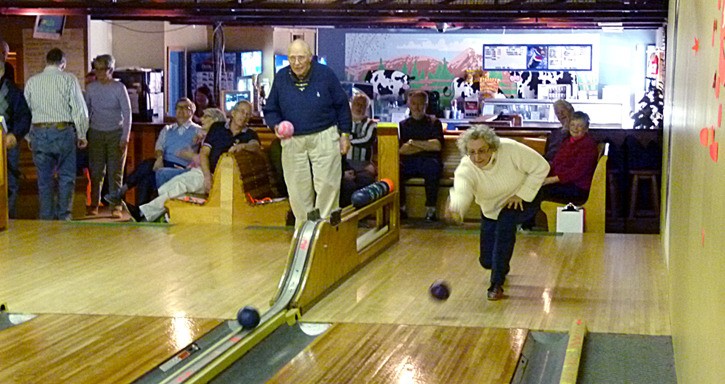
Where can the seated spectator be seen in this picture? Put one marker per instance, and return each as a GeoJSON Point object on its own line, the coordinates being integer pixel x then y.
{"type": "Point", "coordinates": [563, 111]}
{"type": "Point", "coordinates": [573, 165]}
{"type": "Point", "coordinates": [203, 99]}
{"type": "Point", "coordinates": [231, 137]}
{"type": "Point", "coordinates": [358, 168]}
{"type": "Point", "coordinates": [172, 139]}
{"type": "Point", "coordinates": [421, 141]}
{"type": "Point", "coordinates": [504, 178]}
{"type": "Point", "coordinates": [208, 118]}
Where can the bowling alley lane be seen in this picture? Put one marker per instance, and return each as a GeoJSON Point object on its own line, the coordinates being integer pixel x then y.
{"type": "Point", "coordinates": [92, 349]}
{"type": "Point", "coordinates": [113, 301]}
{"type": "Point", "coordinates": [617, 283]}
{"type": "Point", "coordinates": [206, 271]}
{"type": "Point", "coordinates": [388, 353]}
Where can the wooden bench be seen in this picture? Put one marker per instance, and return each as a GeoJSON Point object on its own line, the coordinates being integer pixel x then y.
{"type": "Point", "coordinates": [451, 156]}
{"type": "Point", "coordinates": [595, 208]}
{"type": "Point", "coordinates": [239, 181]}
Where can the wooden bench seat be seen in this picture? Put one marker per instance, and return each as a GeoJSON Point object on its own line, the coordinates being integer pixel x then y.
{"type": "Point", "coordinates": [239, 181]}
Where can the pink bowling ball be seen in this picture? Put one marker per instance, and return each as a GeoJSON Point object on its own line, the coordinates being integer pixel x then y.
{"type": "Point", "coordinates": [286, 129]}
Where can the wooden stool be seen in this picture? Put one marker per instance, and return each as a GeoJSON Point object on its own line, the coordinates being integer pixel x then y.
{"type": "Point", "coordinates": [645, 174]}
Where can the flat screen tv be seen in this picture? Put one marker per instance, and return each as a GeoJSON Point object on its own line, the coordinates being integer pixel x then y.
{"type": "Point", "coordinates": [251, 63]}
{"type": "Point", "coordinates": [48, 27]}
{"type": "Point", "coordinates": [231, 98]}
{"type": "Point", "coordinates": [280, 61]}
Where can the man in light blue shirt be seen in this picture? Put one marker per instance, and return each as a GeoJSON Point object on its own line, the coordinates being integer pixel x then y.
{"type": "Point", "coordinates": [59, 125]}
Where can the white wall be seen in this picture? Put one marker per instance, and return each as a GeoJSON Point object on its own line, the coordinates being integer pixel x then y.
{"type": "Point", "coordinates": [100, 39]}
{"type": "Point", "coordinates": [283, 37]}
{"type": "Point", "coordinates": [139, 43]}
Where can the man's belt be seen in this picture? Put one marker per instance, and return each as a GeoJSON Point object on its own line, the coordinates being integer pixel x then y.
{"type": "Point", "coordinates": [59, 125]}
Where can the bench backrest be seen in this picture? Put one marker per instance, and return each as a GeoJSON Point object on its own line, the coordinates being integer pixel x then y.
{"type": "Point", "coordinates": [258, 177]}
{"type": "Point", "coordinates": [451, 156]}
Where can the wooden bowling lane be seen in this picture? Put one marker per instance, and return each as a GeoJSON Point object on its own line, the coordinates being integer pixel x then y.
{"type": "Point", "coordinates": [388, 353]}
{"type": "Point", "coordinates": [199, 271]}
{"type": "Point", "coordinates": [92, 349]}
{"type": "Point", "coordinates": [616, 282]}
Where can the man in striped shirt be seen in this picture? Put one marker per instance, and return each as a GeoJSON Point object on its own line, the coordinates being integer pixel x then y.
{"type": "Point", "coordinates": [60, 123]}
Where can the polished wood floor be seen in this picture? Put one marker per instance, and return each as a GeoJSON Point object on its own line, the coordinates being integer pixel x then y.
{"type": "Point", "coordinates": [385, 353]}
{"type": "Point", "coordinates": [615, 282]}
{"type": "Point", "coordinates": [92, 349]}
{"type": "Point", "coordinates": [126, 282]}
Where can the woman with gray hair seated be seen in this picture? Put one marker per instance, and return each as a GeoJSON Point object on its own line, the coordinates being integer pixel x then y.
{"type": "Point", "coordinates": [503, 176]}
{"type": "Point", "coordinates": [109, 111]}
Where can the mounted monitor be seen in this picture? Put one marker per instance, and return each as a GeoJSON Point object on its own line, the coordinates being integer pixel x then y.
{"type": "Point", "coordinates": [231, 98]}
{"type": "Point", "coordinates": [48, 27]}
{"type": "Point", "coordinates": [251, 63]}
{"type": "Point", "coordinates": [544, 57]}
{"type": "Point", "coordinates": [280, 61]}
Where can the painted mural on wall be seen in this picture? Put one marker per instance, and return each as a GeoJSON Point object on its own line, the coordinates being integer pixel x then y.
{"type": "Point", "coordinates": [449, 64]}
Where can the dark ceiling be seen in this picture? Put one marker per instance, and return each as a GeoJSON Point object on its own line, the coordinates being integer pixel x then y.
{"type": "Point", "coordinates": [364, 13]}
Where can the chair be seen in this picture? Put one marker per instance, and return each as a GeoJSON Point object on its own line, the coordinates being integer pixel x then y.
{"type": "Point", "coordinates": [595, 208]}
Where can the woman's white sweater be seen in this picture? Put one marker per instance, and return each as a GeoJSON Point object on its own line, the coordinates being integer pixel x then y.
{"type": "Point", "coordinates": [514, 169]}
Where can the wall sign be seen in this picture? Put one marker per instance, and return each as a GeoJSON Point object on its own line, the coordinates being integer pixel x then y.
{"type": "Point", "coordinates": [570, 57]}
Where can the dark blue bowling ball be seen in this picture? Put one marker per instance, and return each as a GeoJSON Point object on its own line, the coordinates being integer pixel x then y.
{"type": "Point", "coordinates": [248, 317]}
{"type": "Point", "coordinates": [440, 290]}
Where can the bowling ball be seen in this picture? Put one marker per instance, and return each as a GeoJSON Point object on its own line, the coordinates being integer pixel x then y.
{"type": "Point", "coordinates": [360, 198]}
{"type": "Point", "coordinates": [248, 317]}
{"type": "Point", "coordinates": [391, 186]}
{"type": "Point", "coordinates": [440, 290]}
{"type": "Point", "coordinates": [286, 129]}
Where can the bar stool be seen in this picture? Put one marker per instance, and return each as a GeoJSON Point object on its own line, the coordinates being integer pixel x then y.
{"type": "Point", "coordinates": [646, 175]}
{"type": "Point", "coordinates": [613, 193]}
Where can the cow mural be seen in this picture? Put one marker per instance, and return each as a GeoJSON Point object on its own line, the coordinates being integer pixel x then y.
{"type": "Point", "coordinates": [649, 109]}
{"type": "Point", "coordinates": [460, 88]}
{"type": "Point", "coordinates": [388, 83]}
{"type": "Point", "coordinates": [527, 83]}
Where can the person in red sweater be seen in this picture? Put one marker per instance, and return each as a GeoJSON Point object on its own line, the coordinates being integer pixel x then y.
{"type": "Point", "coordinates": [573, 165]}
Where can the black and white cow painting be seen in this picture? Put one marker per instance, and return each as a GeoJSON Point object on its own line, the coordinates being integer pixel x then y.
{"type": "Point", "coordinates": [460, 88]}
{"type": "Point", "coordinates": [650, 108]}
{"type": "Point", "coordinates": [527, 82]}
{"type": "Point", "coordinates": [388, 83]}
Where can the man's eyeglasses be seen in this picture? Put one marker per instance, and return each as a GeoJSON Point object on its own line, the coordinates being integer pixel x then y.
{"type": "Point", "coordinates": [183, 107]}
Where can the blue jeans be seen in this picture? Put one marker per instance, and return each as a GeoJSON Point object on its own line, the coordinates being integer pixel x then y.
{"type": "Point", "coordinates": [13, 179]}
{"type": "Point", "coordinates": [167, 173]}
{"type": "Point", "coordinates": [498, 238]}
{"type": "Point", "coordinates": [54, 155]}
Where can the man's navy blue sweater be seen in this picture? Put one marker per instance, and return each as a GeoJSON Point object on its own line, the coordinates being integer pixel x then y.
{"type": "Point", "coordinates": [322, 104]}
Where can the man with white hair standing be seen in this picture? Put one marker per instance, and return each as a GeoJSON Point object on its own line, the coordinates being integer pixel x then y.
{"type": "Point", "coordinates": [310, 96]}
{"type": "Point", "coordinates": [60, 123]}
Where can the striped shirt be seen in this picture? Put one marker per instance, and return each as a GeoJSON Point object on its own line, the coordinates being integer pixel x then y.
{"type": "Point", "coordinates": [55, 96]}
{"type": "Point", "coordinates": [362, 140]}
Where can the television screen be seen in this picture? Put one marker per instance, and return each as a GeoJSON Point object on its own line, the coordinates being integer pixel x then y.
{"type": "Point", "coordinates": [48, 27]}
{"type": "Point", "coordinates": [251, 63]}
{"type": "Point", "coordinates": [231, 98]}
{"type": "Point", "coordinates": [280, 61]}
